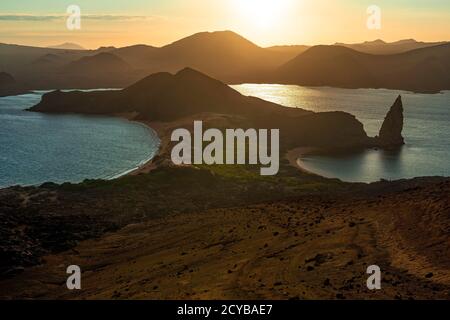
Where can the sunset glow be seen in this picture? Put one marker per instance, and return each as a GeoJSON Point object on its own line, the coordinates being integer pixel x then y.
{"type": "Point", "coordinates": [264, 22]}
{"type": "Point", "coordinates": [263, 13]}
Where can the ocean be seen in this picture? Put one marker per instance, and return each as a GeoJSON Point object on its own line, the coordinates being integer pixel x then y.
{"type": "Point", "coordinates": [37, 148]}
{"type": "Point", "coordinates": [426, 130]}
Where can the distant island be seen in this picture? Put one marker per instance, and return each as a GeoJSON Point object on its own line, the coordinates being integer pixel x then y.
{"type": "Point", "coordinates": [224, 55]}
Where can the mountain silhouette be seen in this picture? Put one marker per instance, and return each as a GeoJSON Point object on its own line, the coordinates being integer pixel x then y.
{"type": "Point", "coordinates": [231, 58]}
{"type": "Point", "coordinates": [222, 54]}
{"type": "Point", "coordinates": [420, 70]}
{"type": "Point", "coordinates": [381, 47]}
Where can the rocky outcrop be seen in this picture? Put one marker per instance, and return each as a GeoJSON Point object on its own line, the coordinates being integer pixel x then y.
{"type": "Point", "coordinates": [391, 130]}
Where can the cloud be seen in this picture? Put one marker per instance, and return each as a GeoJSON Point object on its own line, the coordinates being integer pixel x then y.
{"type": "Point", "coordinates": [56, 17]}
{"type": "Point", "coordinates": [29, 17]}
{"type": "Point", "coordinates": [115, 17]}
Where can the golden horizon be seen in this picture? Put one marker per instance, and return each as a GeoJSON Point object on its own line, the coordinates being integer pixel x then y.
{"type": "Point", "coordinates": [263, 22]}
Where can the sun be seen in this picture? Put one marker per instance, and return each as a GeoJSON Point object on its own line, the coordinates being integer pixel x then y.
{"type": "Point", "coordinates": [262, 13]}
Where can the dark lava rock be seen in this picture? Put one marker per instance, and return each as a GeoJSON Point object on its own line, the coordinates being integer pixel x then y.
{"type": "Point", "coordinates": [391, 131]}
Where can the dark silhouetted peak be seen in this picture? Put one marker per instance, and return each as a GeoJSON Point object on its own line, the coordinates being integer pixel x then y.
{"type": "Point", "coordinates": [187, 71]}
{"type": "Point", "coordinates": [318, 53]}
{"type": "Point", "coordinates": [184, 78]}
{"type": "Point", "coordinates": [326, 65]}
{"type": "Point", "coordinates": [222, 35]}
{"type": "Point", "coordinates": [215, 39]}
{"type": "Point", "coordinates": [190, 77]}
{"type": "Point", "coordinates": [392, 127]}
{"type": "Point", "coordinates": [190, 73]}
{"type": "Point", "coordinates": [419, 70]}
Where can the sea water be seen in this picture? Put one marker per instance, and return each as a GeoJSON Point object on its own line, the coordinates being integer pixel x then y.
{"type": "Point", "coordinates": [426, 130]}
{"type": "Point", "coordinates": [37, 147]}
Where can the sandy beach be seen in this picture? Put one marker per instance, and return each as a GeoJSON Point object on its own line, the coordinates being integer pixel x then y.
{"type": "Point", "coordinates": [294, 155]}
{"type": "Point", "coordinates": [162, 130]}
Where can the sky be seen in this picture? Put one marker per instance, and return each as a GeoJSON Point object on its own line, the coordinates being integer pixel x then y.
{"type": "Point", "coordinates": [265, 22]}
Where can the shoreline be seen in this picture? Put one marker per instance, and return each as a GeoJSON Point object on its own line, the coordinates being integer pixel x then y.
{"type": "Point", "coordinates": [164, 132]}
{"type": "Point", "coordinates": [142, 165]}
{"type": "Point", "coordinates": [151, 164]}
{"type": "Point", "coordinates": [294, 154]}
{"type": "Point", "coordinates": [160, 130]}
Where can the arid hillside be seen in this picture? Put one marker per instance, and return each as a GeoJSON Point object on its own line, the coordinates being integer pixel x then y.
{"type": "Point", "coordinates": [310, 246]}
